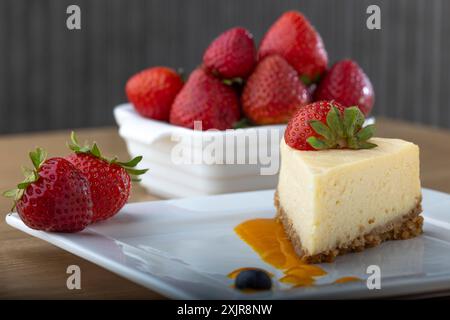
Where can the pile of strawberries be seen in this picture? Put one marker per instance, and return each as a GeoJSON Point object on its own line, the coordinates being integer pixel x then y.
{"type": "Point", "coordinates": [264, 86]}
{"type": "Point", "coordinates": [67, 194]}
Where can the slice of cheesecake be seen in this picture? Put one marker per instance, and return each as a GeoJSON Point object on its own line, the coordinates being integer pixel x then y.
{"type": "Point", "coordinates": [340, 200]}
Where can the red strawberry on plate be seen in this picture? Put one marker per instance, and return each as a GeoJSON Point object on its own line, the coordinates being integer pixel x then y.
{"type": "Point", "coordinates": [231, 55]}
{"type": "Point", "coordinates": [153, 90]}
{"type": "Point", "coordinates": [328, 125]}
{"type": "Point", "coordinates": [295, 39]}
{"type": "Point", "coordinates": [109, 180]}
{"type": "Point", "coordinates": [273, 92]}
{"type": "Point", "coordinates": [54, 196]}
{"type": "Point", "coordinates": [205, 98]}
{"type": "Point", "coordinates": [347, 83]}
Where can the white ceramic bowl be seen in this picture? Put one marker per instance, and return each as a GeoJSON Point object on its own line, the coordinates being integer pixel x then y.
{"type": "Point", "coordinates": [202, 169]}
{"type": "Point", "coordinates": [172, 176]}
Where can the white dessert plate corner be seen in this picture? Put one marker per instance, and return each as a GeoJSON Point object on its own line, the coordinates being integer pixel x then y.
{"type": "Point", "coordinates": [185, 248]}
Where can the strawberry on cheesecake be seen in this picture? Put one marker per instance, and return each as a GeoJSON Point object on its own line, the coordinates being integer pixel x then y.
{"type": "Point", "coordinates": [340, 190]}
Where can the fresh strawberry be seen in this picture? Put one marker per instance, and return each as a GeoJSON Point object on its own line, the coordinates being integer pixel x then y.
{"type": "Point", "coordinates": [231, 55]}
{"type": "Point", "coordinates": [296, 40]}
{"type": "Point", "coordinates": [347, 83]}
{"type": "Point", "coordinates": [328, 125]}
{"type": "Point", "coordinates": [273, 92]}
{"type": "Point", "coordinates": [205, 98]}
{"type": "Point", "coordinates": [54, 196]}
{"type": "Point", "coordinates": [109, 180]}
{"type": "Point", "coordinates": [153, 90]}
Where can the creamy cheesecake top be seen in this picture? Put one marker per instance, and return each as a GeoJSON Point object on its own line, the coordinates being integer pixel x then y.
{"type": "Point", "coordinates": [324, 160]}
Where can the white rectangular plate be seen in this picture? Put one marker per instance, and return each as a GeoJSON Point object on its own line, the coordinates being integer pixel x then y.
{"type": "Point", "coordinates": [184, 249]}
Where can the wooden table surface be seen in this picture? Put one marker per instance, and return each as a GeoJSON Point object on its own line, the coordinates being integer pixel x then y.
{"type": "Point", "coordinates": [32, 268]}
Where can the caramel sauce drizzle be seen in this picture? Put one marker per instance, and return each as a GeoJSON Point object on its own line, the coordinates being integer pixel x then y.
{"type": "Point", "coordinates": [268, 238]}
{"type": "Point", "coordinates": [347, 279]}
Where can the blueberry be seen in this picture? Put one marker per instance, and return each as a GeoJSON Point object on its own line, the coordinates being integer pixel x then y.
{"type": "Point", "coordinates": [255, 279]}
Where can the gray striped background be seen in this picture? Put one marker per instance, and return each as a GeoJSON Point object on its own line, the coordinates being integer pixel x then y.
{"type": "Point", "coordinates": [52, 78]}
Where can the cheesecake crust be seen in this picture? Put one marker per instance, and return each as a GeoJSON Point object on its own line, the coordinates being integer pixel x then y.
{"type": "Point", "coordinates": [406, 227]}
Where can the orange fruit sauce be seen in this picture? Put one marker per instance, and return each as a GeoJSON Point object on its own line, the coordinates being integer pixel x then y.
{"type": "Point", "coordinates": [268, 238]}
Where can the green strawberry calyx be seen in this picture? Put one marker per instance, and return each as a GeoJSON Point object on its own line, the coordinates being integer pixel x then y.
{"type": "Point", "coordinates": [342, 130]}
{"type": "Point", "coordinates": [37, 157]}
{"type": "Point", "coordinates": [242, 123]}
{"type": "Point", "coordinates": [307, 81]}
{"type": "Point", "coordinates": [233, 81]}
{"type": "Point", "coordinates": [94, 151]}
